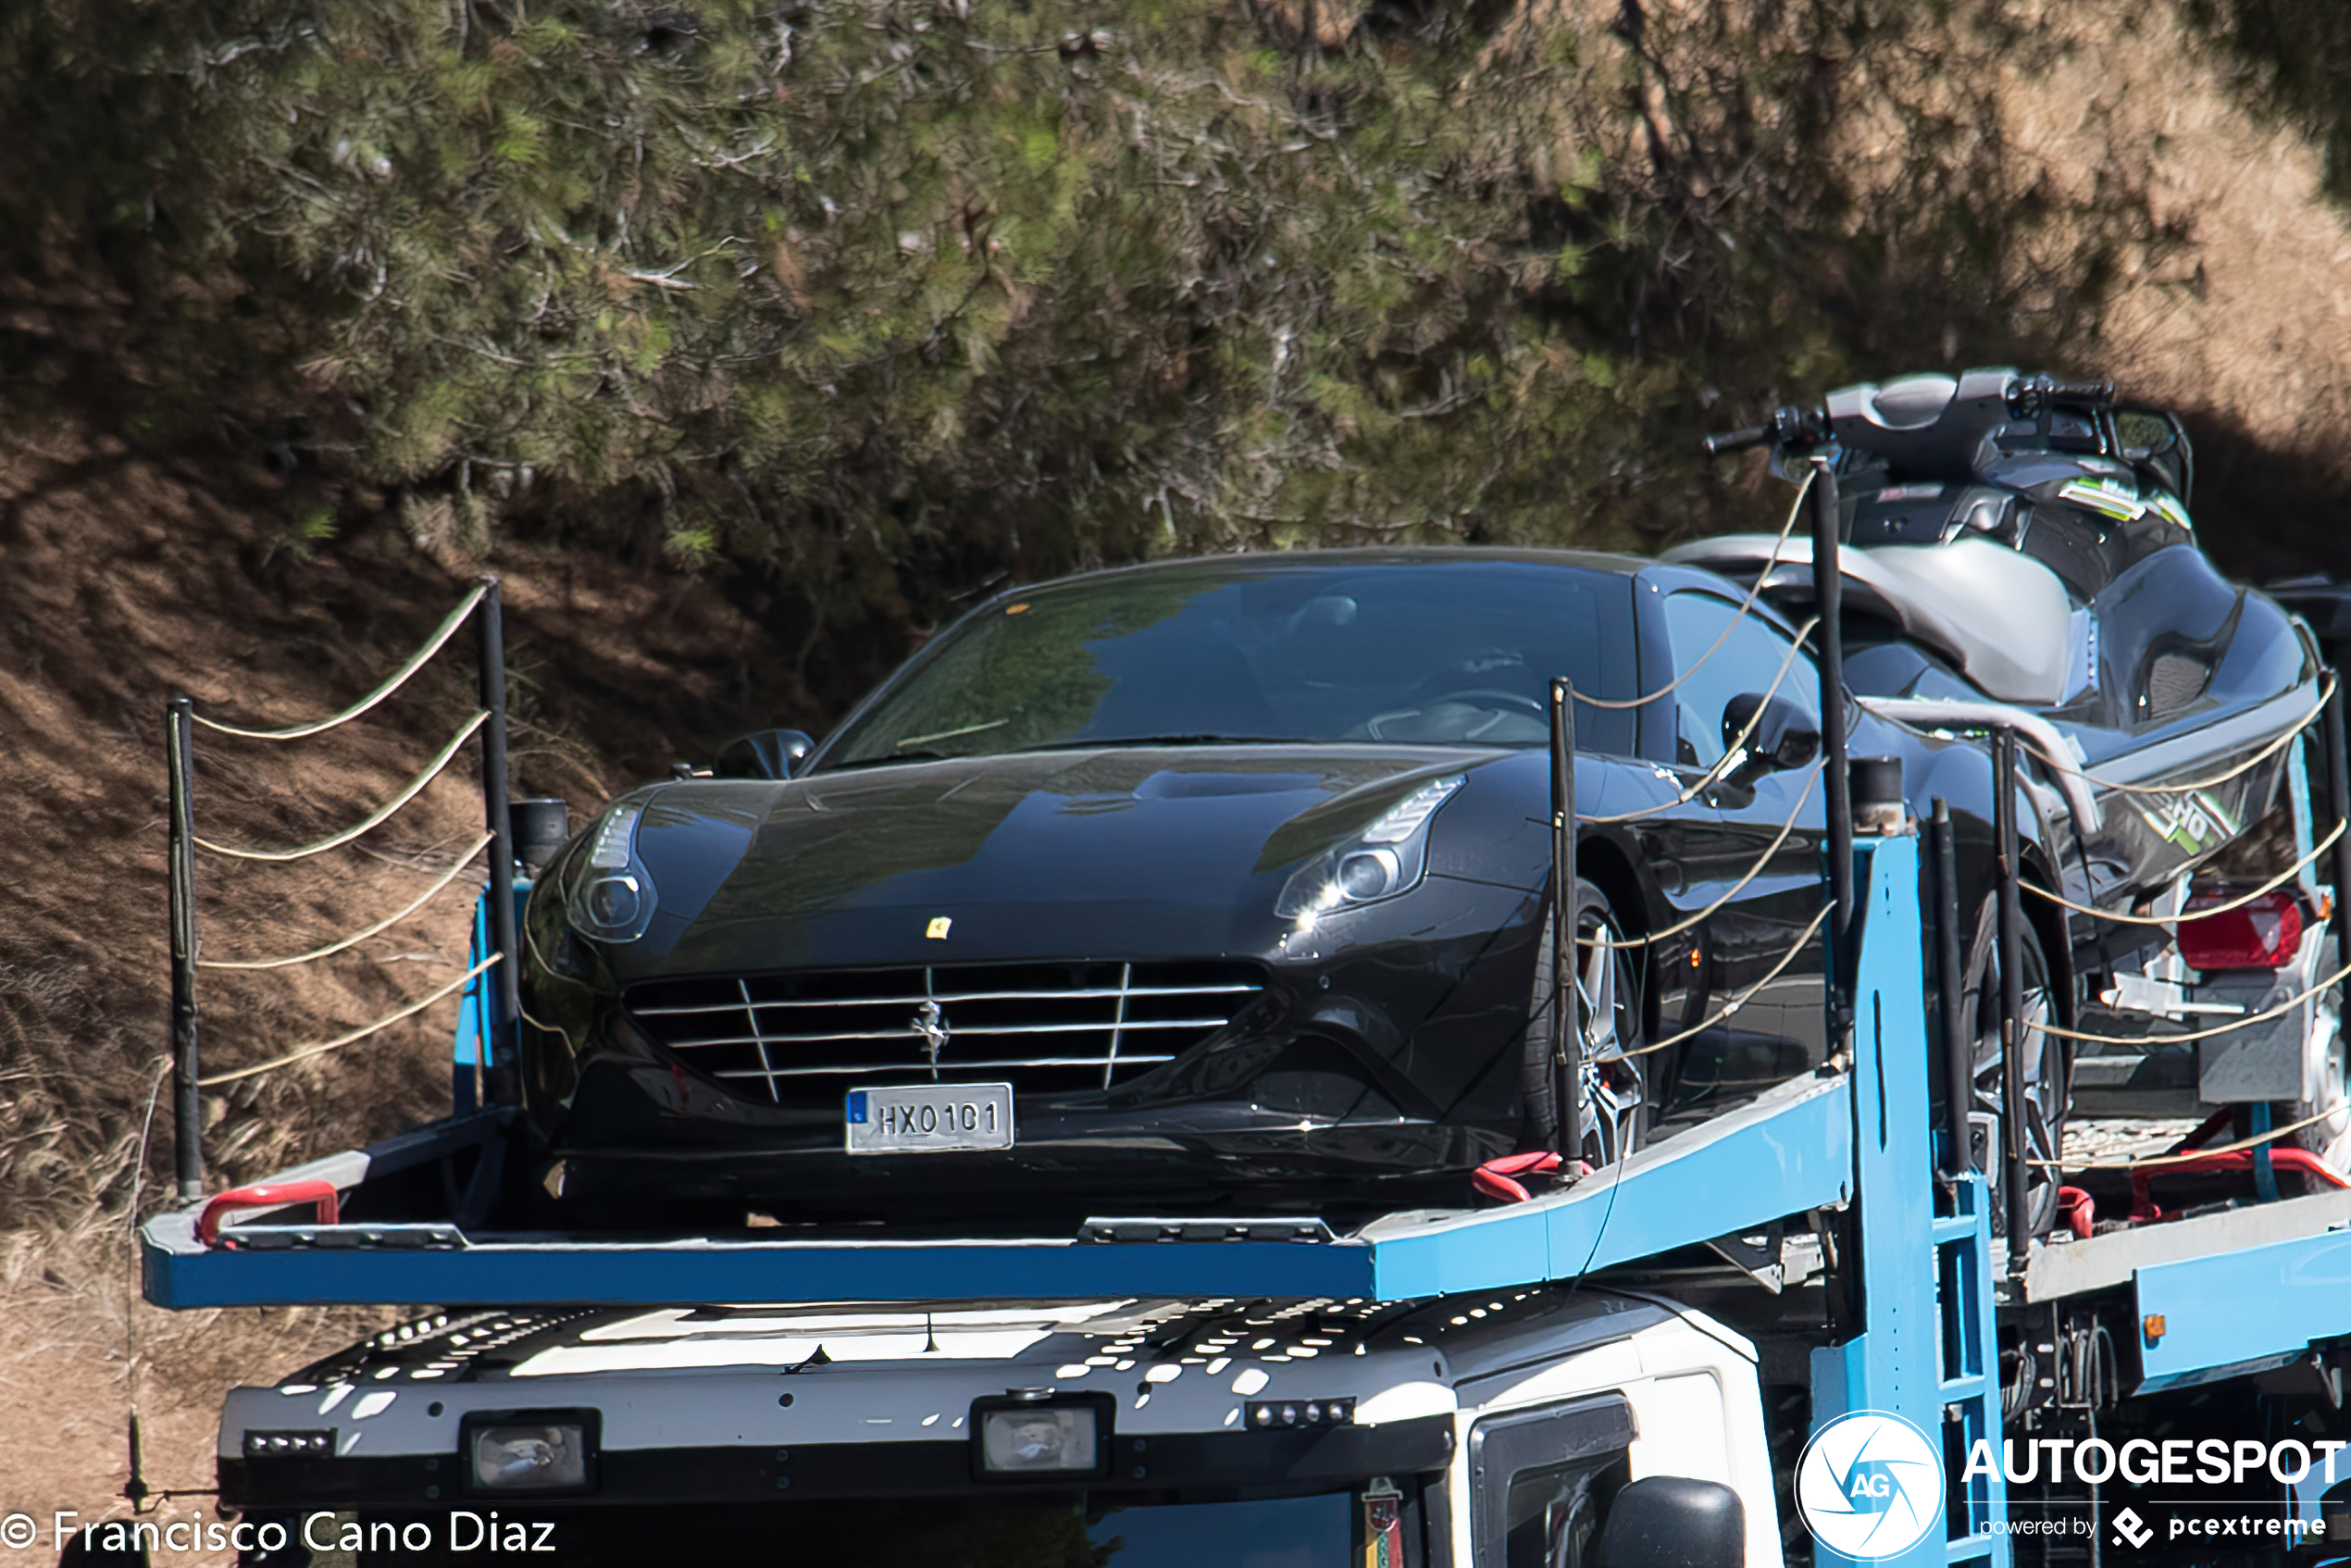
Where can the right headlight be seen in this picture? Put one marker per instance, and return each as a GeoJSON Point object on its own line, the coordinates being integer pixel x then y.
{"type": "Point", "coordinates": [1037, 1437]}
{"type": "Point", "coordinates": [612, 894]}
{"type": "Point", "coordinates": [1385, 859]}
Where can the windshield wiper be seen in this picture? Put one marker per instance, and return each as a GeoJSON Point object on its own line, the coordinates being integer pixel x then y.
{"type": "Point", "coordinates": [918, 754]}
{"type": "Point", "coordinates": [905, 742]}
{"type": "Point", "coordinates": [1194, 740]}
{"type": "Point", "coordinates": [886, 758]}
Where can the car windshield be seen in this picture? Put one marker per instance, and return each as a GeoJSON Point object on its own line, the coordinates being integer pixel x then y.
{"type": "Point", "coordinates": [1439, 652]}
{"type": "Point", "coordinates": [999, 1532]}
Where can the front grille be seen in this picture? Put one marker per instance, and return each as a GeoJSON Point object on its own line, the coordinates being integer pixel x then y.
{"type": "Point", "coordinates": [1043, 1027]}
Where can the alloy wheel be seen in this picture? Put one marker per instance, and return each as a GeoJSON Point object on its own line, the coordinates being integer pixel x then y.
{"type": "Point", "coordinates": [2042, 1073]}
{"type": "Point", "coordinates": [1610, 1065]}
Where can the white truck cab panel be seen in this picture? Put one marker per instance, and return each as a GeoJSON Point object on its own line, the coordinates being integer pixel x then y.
{"type": "Point", "coordinates": [1695, 1410]}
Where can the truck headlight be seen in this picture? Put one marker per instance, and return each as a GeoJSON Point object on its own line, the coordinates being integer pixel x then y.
{"type": "Point", "coordinates": [530, 1451]}
{"type": "Point", "coordinates": [612, 894]}
{"type": "Point", "coordinates": [1037, 1437]}
{"type": "Point", "coordinates": [1385, 859]}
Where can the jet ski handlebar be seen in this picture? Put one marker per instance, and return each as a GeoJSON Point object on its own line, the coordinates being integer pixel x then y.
{"type": "Point", "coordinates": [1738, 441]}
{"type": "Point", "coordinates": [1790, 427]}
{"type": "Point", "coordinates": [2030, 394]}
{"type": "Point", "coordinates": [1796, 429]}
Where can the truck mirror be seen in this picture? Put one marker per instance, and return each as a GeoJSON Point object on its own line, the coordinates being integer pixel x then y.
{"type": "Point", "coordinates": [1674, 1522]}
{"type": "Point", "coordinates": [100, 1547]}
{"type": "Point", "coordinates": [765, 753]}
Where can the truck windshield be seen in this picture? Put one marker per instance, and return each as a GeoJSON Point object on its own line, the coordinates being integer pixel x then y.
{"type": "Point", "coordinates": [1063, 1532]}
{"type": "Point", "coordinates": [1432, 652]}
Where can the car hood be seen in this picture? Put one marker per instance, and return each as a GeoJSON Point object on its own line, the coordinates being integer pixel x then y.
{"type": "Point", "coordinates": [1130, 851]}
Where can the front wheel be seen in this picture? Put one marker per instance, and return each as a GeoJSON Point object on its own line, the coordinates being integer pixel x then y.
{"type": "Point", "coordinates": [2044, 1073]}
{"type": "Point", "coordinates": [1606, 1040]}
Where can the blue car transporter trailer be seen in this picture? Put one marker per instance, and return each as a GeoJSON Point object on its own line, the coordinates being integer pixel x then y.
{"type": "Point", "coordinates": [2217, 1297]}
{"type": "Point", "coordinates": [1924, 1303]}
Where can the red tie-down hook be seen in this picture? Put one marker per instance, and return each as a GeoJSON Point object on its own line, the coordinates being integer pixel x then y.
{"type": "Point", "coordinates": [2077, 1210]}
{"type": "Point", "coordinates": [275, 1195]}
{"type": "Point", "coordinates": [1498, 1178]}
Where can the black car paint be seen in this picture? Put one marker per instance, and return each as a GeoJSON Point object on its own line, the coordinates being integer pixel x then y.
{"type": "Point", "coordinates": [1381, 1062]}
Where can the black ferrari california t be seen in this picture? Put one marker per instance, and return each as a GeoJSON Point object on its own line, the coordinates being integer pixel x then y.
{"type": "Point", "coordinates": [1213, 886]}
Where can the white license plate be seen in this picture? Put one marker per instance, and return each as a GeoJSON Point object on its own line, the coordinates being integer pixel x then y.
{"type": "Point", "coordinates": [929, 1118]}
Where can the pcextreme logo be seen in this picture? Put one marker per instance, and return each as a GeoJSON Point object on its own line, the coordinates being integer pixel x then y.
{"type": "Point", "coordinates": [1869, 1485]}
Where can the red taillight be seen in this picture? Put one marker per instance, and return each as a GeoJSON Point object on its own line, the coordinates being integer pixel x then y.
{"type": "Point", "coordinates": [2264, 934]}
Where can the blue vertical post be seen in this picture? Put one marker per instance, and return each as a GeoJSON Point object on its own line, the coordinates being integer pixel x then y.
{"type": "Point", "coordinates": [476, 1018]}
{"type": "Point", "coordinates": [1970, 1366]}
{"type": "Point", "coordinates": [1898, 1364]}
{"type": "Point", "coordinates": [470, 1060]}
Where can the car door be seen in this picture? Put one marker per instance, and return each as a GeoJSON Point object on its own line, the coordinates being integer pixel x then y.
{"type": "Point", "coordinates": [1756, 845]}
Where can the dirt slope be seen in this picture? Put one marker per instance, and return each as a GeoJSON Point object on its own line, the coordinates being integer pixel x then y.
{"type": "Point", "coordinates": [2247, 325]}
{"type": "Point", "coordinates": [123, 582]}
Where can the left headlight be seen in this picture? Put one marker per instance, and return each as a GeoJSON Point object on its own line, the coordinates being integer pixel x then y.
{"type": "Point", "coordinates": [1385, 859]}
{"type": "Point", "coordinates": [526, 1451]}
{"type": "Point", "coordinates": [612, 894]}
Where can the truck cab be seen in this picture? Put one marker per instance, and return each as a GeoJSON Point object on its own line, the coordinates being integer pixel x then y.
{"type": "Point", "coordinates": [1501, 1431]}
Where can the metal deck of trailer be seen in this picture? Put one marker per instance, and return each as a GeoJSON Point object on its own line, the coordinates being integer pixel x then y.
{"type": "Point", "coordinates": [1785, 1153]}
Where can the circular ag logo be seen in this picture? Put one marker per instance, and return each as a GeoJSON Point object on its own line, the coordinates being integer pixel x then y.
{"type": "Point", "coordinates": [1869, 1485]}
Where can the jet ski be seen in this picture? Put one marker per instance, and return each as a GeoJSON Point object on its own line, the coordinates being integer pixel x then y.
{"type": "Point", "coordinates": [2015, 543]}
{"type": "Point", "coordinates": [2017, 550]}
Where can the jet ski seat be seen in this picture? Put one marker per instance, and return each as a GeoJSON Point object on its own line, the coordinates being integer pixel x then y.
{"type": "Point", "coordinates": [2001, 618]}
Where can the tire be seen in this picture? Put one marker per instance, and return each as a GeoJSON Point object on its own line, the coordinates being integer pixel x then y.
{"type": "Point", "coordinates": [2047, 1094]}
{"type": "Point", "coordinates": [2329, 1138]}
{"type": "Point", "coordinates": [1616, 1074]}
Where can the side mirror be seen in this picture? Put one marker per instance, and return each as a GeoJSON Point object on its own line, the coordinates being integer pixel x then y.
{"type": "Point", "coordinates": [1784, 737]}
{"type": "Point", "coordinates": [1674, 1522]}
{"type": "Point", "coordinates": [2144, 432]}
{"type": "Point", "coordinates": [763, 753]}
{"type": "Point", "coordinates": [2155, 442]}
{"type": "Point", "coordinates": [85, 1550]}
{"type": "Point", "coordinates": [540, 824]}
